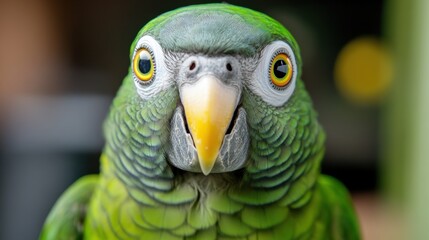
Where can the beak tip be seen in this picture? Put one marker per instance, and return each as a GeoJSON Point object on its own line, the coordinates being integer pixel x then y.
{"type": "Point", "coordinates": [207, 164]}
{"type": "Point", "coordinates": [206, 169]}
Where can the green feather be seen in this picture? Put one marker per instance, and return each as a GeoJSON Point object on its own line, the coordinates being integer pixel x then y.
{"type": "Point", "coordinates": [158, 235]}
{"type": "Point", "coordinates": [304, 218]}
{"type": "Point", "coordinates": [223, 204]}
{"type": "Point", "coordinates": [233, 226]}
{"type": "Point", "coordinates": [136, 220]}
{"type": "Point", "coordinates": [257, 196]}
{"type": "Point", "coordinates": [184, 230]}
{"type": "Point", "coordinates": [164, 217]}
{"type": "Point", "coordinates": [264, 217]}
{"type": "Point", "coordinates": [342, 215]}
{"type": "Point", "coordinates": [180, 195]}
{"type": "Point", "coordinates": [207, 234]}
{"type": "Point", "coordinates": [142, 197]}
{"type": "Point", "coordinates": [201, 217]}
{"type": "Point", "coordinates": [66, 218]}
{"type": "Point", "coordinates": [302, 201]}
{"type": "Point", "coordinates": [298, 190]}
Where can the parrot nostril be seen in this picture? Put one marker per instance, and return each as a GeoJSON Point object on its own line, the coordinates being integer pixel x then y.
{"type": "Point", "coordinates": [229, 67]}
{"type": "Point", "coordinates": [192, 66]}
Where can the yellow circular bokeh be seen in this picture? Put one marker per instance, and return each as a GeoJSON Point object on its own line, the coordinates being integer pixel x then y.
{"type": "Point", "coordinates": [363, 70]}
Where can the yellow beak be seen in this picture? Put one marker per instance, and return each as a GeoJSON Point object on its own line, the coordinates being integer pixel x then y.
{"type": "Point", "coordinates": [209, 107]}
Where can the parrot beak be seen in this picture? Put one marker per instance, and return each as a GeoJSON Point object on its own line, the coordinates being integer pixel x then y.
{"type": "Point", "coordinates": [209, 107]}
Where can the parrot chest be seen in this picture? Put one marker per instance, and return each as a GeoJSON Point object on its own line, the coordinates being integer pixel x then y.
{"type": "Point", "coordinates": [185, 213]}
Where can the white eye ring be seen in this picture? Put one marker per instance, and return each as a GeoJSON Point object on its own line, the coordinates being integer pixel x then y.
{"type": "Point", "coordinates": [261, 81]}
{"type": "Point", "coordinates": [161, 76]}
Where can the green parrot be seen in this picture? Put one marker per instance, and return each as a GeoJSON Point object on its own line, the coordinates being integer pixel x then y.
{"type": "Point", "coordinates": [212, 135]}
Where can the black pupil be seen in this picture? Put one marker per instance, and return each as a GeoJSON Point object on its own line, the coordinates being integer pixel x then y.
{"type": "Point", "coordinates": [280, 69]}
{"type": "Point", "coordinates": [144, 64]}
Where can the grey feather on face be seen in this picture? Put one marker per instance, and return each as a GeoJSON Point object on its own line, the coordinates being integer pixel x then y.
{"type": "Point", "coordinates": [211, 33]}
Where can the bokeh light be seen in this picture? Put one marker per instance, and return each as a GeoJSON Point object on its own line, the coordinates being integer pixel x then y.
{"type": "Point", "coordinates": [363, 70]}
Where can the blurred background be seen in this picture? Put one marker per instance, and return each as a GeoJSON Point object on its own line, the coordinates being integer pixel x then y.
{"type": "Point", "coordinates": [365, 65]}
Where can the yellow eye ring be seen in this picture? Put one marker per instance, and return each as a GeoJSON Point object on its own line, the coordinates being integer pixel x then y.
{"type": "Point", "coordinates": [143, 65]}
{"type": "Point", "coordinates": [281, 70]}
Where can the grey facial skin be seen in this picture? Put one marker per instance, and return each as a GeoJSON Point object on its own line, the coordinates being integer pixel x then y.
{"type": "Point", "coordinates": [232, 155]}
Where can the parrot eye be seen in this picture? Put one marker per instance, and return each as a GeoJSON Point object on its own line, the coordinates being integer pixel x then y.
{"type": "Point", "coordinates": [274, 78]}
{"type": "Point", "coordinates": [143, 65]}
{"type": "Point", "coordinates": [148, 67]}
{"type": "Point", "coordinates": [281, 70]}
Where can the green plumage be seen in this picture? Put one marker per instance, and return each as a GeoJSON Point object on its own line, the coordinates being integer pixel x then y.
{"type": "Point", "coordinates": [279, 194]}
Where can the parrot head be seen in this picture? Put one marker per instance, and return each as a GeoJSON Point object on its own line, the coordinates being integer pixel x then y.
{"type": "Point", "coordinates": [212, 89]}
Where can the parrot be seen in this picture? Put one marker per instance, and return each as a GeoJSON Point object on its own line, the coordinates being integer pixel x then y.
{"type": "Point", "coordinates": [212, 135]}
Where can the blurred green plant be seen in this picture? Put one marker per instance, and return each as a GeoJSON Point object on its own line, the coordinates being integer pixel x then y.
{"type": "Point", "coordinates": [406, 130]}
